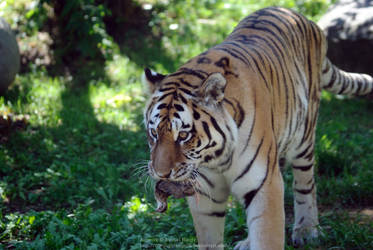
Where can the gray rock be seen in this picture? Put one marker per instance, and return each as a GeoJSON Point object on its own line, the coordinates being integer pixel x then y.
{"type": "Point", "coordinates": [9, 56]}
{"type": "Point", "coordinates": [348, 25]}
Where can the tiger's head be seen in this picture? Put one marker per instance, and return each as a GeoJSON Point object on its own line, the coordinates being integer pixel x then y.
{"type": "Point", "coordinates": [187, 125]}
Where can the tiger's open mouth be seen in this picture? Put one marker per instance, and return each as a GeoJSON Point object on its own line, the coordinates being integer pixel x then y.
{"type": "Point", "coordinates": [163, 189]}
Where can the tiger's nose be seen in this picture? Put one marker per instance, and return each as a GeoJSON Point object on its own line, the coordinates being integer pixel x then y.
{"type": "Point", "coordinates": [164, 176]}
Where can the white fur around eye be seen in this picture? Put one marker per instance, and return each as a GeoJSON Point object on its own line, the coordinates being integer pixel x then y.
{"type": "Point", "coordinates": [184, 136]}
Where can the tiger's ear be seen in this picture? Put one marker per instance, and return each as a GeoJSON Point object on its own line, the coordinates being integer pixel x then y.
{"type": "Point", "coordinates": [152, 79]}
{"type": "Point", "coordinates": [212, 89]}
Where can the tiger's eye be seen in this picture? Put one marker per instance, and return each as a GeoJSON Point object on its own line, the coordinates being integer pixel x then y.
{"type": "Point", "coordinates": [183, 135]}
{"type": "Point", "coordinates": [153, 132]}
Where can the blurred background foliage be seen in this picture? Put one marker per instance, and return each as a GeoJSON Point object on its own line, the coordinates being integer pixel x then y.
{"type": "Point", "coordinates": [153, 33]}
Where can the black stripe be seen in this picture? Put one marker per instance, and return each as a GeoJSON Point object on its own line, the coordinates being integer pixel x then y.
{"type": "Point", "coordinates": [220, 151]}
{"type": "Point", "coordinates": [271, 32]}
{"type": "Point", "coordinates": [239, 113]}
{"type": "Point", "coordinates": [166, 89]}
{"type": "Point", "coordinates": [223, 62]}
{"type": "Point", "coordinates": [249, 197]}
{"type": "Point", "coordinates": [209, 197]}
{"type": "Point", "coordinates": [305, 191]}
{"type": "Point", "coordinates": [326, 69]}
{"type": "Point", "coordinates": [332, 79]}
{"type": "Point", "coordinates": [351, 84]}
{"type": "Point", "coordinates": [300, 202]}
{"type": "Point", "coordinates": [303, 168]}
{"type": "Point", "coordinates": [206, 180]}
{"type": "Point", "coordinates": [162, 106]}
{"type": "Point", "coordinates": [171, 83]}
{"type": "Point", "coordinates": [274, 25]}
{"type": "Point", "coordinates": [247, 168]}
{"type": "Point", "coordinates": [187, 83]}
{"type": "Point", "coordinates": [365, 85]}
{"type": "Point", "coordinates": [206, 129]}
{"type": "Point", "coordinates": [207, 158]}
{"type": "Point", "coordinates": [304, 152]}
{"type": "Point", "coordinates": [186, 91]}
{"type": "Point", "coordinates": [217, 128]}
{"type": "Point", "coordinates": [306, 129]}
{"type": "Point", "coordinates": [188, 71]}
{"type": "Point", "coordinates": [316, 33]}
{"type": "Point", "coordinates": [359, 84]}
{"type": "Point", "coordinates": [239, 52]}
{"type": "Point", "coordinates": [309, 156]}
{"type": "Point", "coordinates": [216, 214]}
{"type": "Point", "coordinates": [196, 115]}
{"type": "Point", "coordinates": [178, 107]}
{"type": "Point", "coordinates": [183, 99]}
{"type": "Point", "coordinates": [310, 181]}
{"type": "Point", "coordinates": [252, 128]}
{"type": "Point", "coordinates": [268, 158]}
{"type": "Point", "coordinates": [301, 220]}
{"type": "Point", "coordinates": [233, 55]}
{"type": "Point", "coordinates": [230, 131]}
{"type": "Point", "coordinates": [165, 95]}
{"type": "Point", "coordinates": [344, 86]}
{"type": "Point", "coordinates": [235, 50]}
{"type": "Point", "coordinates": [204, 60]}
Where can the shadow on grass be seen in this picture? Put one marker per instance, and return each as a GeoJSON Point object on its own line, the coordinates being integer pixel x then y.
{"type": "Point", "coordinates": [80, 161]}
{"type": "Point", "coordinates": [147, 51]}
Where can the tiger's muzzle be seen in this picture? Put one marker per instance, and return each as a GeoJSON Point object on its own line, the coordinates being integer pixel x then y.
{"type": "Point", "coordinates": [179, 173]}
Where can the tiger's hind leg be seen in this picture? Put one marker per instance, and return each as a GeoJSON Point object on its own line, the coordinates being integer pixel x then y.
{"type": "Point", "coordinates": [305, 208]}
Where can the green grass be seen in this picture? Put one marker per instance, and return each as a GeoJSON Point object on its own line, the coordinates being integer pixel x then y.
{"type": "Point", "coordinates": [73, 178]}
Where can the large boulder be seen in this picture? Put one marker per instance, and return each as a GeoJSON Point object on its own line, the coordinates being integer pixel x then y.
{"type": "Point", "coordinates": [9, 56]}
{"type": "Point", "coordinates": [348, 25]}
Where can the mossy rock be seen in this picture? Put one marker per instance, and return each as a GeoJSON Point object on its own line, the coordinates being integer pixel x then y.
{"type": "Point", "coordinates": [9, 56]}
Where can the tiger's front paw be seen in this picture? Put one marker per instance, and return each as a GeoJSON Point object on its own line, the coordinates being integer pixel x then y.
{"type": "Point", "coordinates": [304, 235]}
{"type": "Point", "coordinates": [243, 245]}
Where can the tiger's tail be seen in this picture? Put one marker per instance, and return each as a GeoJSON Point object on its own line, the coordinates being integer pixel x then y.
{"type": "Point", "coordinates": [344, 83]}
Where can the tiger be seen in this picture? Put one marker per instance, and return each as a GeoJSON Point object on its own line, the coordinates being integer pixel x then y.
{"type": "Point", "coordinates": [228, 120]}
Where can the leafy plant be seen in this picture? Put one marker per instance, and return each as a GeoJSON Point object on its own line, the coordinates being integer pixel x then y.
{"type": "Point", "coordinates": [81, 28]}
